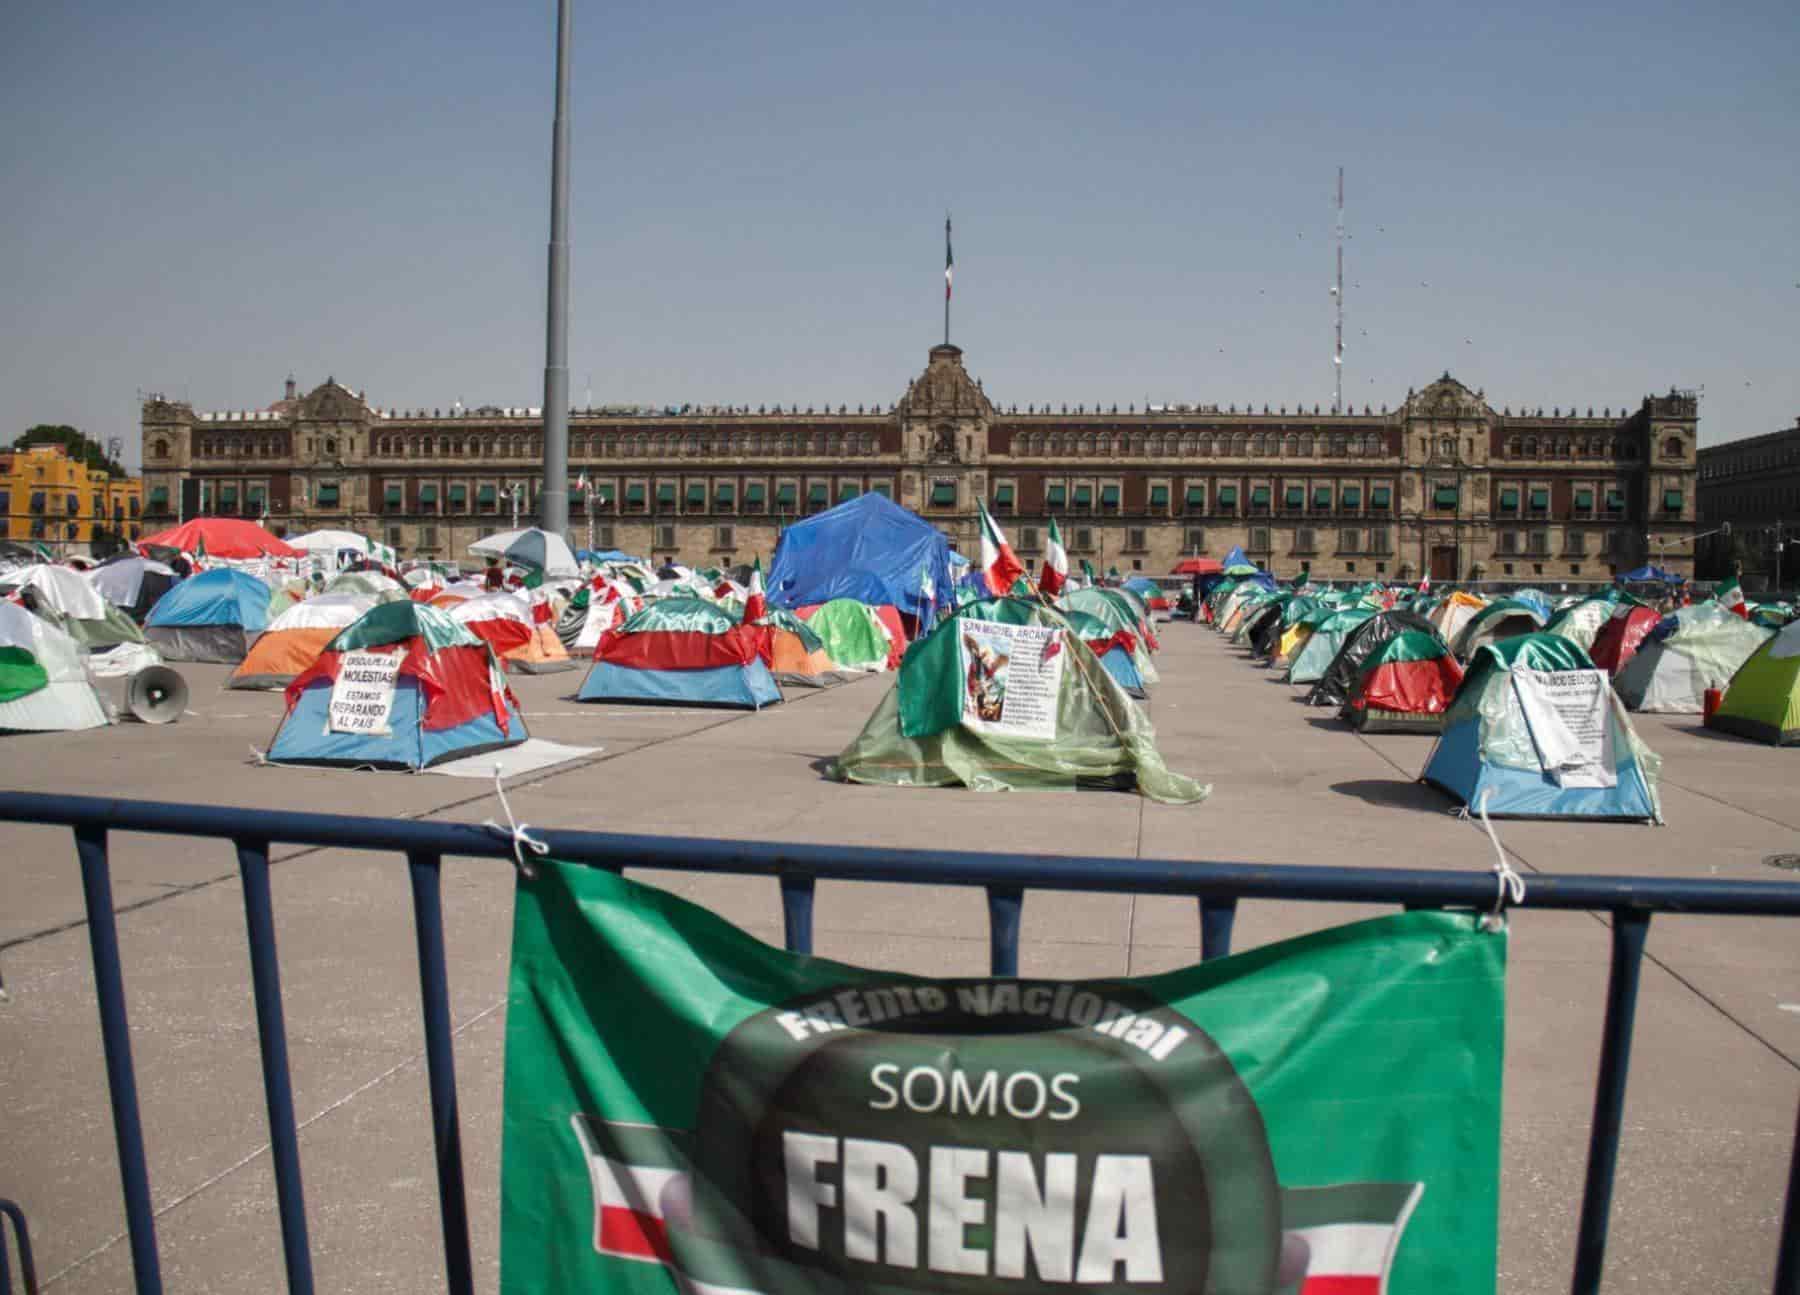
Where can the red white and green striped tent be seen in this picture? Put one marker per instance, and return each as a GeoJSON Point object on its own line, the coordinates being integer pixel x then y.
{"type": "Point", "coordinates": [1405, 686]}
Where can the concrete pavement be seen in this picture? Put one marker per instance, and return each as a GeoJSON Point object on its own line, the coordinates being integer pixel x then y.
{"type": "Point", "coordinates": [1710, 1113]}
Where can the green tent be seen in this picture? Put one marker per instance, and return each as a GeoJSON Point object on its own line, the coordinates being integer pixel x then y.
{"type": "Point", "coordinates": [1116, 611]}
{"type": "Point", "coordinates": [950, 720]}
{"type": "Point", "coordinates": [1763, 700]}
{"type": "Point", "coordinates": [1308, 665]}
{"type": "Point", "coordinates": [852, 633]}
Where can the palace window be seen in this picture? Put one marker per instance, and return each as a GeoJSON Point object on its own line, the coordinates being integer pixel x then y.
{"type": "Point", "coordinates": [665, 496]}
{"type": "Point", "coordinates": [755, 495]}
{"type": "Point", "coordinates": [459, 498]}
{"type": "Point", "coordinates": [1540, 542]}
{"type": "Point", "coordinates": [943, 494]}
{"type": "Point", "coordinates": [1443, 497]}
{"type": "Point", "coordinates": [327, 496]}
{"type": "Point", "coordinates": [1109, 499]}
{"type": "Point", "coordinates": [487, 498]}
{"type": "Point", "coordinates": [1159, 498]}
{"type": "Point", "coordinates": [1084, 498]}
{"type": "Point", "coordinates": [428, 496]}
{"type": "Point", "coordinates": [883, 488]}
{"type": "Point", "coordinates": [1322, 499]}
{"type": "Point", "coordinates": [1295, 498]}
{"type": "Point", "coordinates": [1350, 500]}
{"type": "Point", "coordinates": [1259, 539]}
{"type": "Point", "coordinates": [1084, 540]}
{"type": "Point", "coordinates": [1540, 503]}
{"type": "Point", "coordinates": [1509, 502]}
{"type": "Point", "coordinates": [787, 495]}
{"type": "Point", "coordinates": [724, 495]}
{"type": "Point", "coordinates": [1196, 498]}
{"type": "Point", "coordinates": [1228, 499]}
{"type": "Point", "coordinates": [848, 490]}
{"type": "Point", "coordinates": [1259, 502]}
{"type": "Point", "coordinates": [696, 495]}
{"type": "Point", "coordinates": [1672, 502]}
{"type": "Point", "coordinates": [1349, 541]}
{"type": "Point", "coordinates": [1381, 498]}
{"type": "Point", "coordinates": [1134, 540]}
{"type": "Point", "coordinates": [1028, 539]}
{"type": "Point", "coordinates": [1615, 503]}
{"type": "Point", "coordinates": [665, 537]}
{"type": "Point", "coordinates": [724, 538]}
{"type": "Point", "coordinates": [1380, 542]}
{"type": "Point", "coordinates": [818, 495]}
{"type": "Point", "coordinates": [1057, 496]}
{"type": "Point", "coordinates": [393, 497]}
{"type": "Point", "coordinates": [1003, 497]}
{"type": "Point", "coordinates": [1196, 540]}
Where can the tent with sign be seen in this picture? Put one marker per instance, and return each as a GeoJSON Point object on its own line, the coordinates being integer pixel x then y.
{"type": "Point", "coordinates": [1404, 686]}
{"type": "Point", "coordinates": [1502, 619]}
{"type": "Point", "coordinates": [1316, 654]}
{"type": "Point", "coordinates": [1536, 731]}
{"type": "Point", "coordinates": [856, 636]}
{"type": "Point", "coordinates": [869, 549]}
{"type": "Point", "coordinates": [1005, 696]}
{"type": "Point", "coordinates": [1360, 642]}
{"type": "Point", "coordinates": [683, 652]}
{"type": "Point", "coordinates": [214, 616]}
{"type": "Point", "coordinates": [1624, 632]}
{"type": "Point", "coordinates": [294, 640]}
{"type": "Point", "coordinates": [1697, 649]}
{"type": "Point", "coordinates": [405, 687]}
{"type": "Point", "coordinates": [1762, 702]}
{"type": "Point", "coordinates": [44, 687]}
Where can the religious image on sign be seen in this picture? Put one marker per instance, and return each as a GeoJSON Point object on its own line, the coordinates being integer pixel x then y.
{"type": "Point", "coordinates": [362, 695]}
{"type": "Point", "coordinates": [1012, 677]}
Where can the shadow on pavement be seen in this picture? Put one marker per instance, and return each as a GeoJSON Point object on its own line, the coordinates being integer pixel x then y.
{"type": "Point", "coordinates": [1393, 792]}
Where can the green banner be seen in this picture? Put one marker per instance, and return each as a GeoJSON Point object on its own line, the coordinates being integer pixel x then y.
{"type": "Point", "coordinates": [690, 1110]}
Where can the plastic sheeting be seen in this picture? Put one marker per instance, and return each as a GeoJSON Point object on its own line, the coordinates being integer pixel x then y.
{"type": "Point", "coordinates": [64, 591]}
{"type": "Point", "coordinates": [1317, 653]}
{"type": "Point", "coordinates": [1103, 739]}
{"type": "Point", "coordinates": [869, 549]}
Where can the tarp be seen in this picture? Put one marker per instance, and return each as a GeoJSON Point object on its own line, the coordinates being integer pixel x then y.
{"type": "Point", "coordinates": [688, 1109]}
{"type": "Point", "coordinates": [1647, 574]}
{"type": "Point", "coordinates": [222, 537]}
{"type": "Point", "coordinates": [64, 591]}
{"type": "Point", "coordinates": [869, 549]}
{"type": "Point", "coordinates": [218, 597]}
{"type": "Point", "coordinates": [1763, 700]}
{"type": "Point", "coordinates": [1198, 567]}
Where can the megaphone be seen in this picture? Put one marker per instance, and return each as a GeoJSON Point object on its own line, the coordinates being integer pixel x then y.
{"type": "Point", "coordinates": [156, 695]}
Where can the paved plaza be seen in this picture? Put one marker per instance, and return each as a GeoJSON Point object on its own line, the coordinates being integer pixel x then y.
{"type": "Point", "coordinates": [1709, 1118]}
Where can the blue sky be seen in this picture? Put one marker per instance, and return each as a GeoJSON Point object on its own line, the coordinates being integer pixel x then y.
{"type": "Point", "coordinates": [1561, 204]}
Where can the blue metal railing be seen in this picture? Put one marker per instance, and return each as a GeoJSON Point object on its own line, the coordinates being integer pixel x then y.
{"type": "Point", "coordinates": [1218, 888]}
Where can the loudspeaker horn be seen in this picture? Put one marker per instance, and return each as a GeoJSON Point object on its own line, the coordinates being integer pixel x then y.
{"type": "Point", "coordinates": [156, 695]}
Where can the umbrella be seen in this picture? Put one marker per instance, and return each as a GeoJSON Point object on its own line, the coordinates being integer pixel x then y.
{"type": "Point", "coordinates": [224, 537]}
{"type": "Point", "coordinates": [532, 547]}
{"type": "Point", "coordinates": [1198, 567]}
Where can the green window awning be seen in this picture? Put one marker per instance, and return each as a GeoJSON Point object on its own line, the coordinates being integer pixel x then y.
{"type": "Point", "coordinates": [883, 489]}
{"type": "Point", "coordinates": [1353, 496]}
{"type": "Point", "coordinates": [1584, 499]}
{"type": "Point", "coordinates": [1003, 494]}
{"type": "Point", "coordinates": [1444, 497]}
{"type": "Point", "coordinates": [1321, 496]}
{"type": "Point", "coordinates": [1672, 501]}
{"type": "Point", "coordinates": [1296, 496]}
{"type": "Point", "coordinates": [943, 494]}
{"type": "Point", "coordinates": [1159, 496]}
{"type": "Point", "coordinates": [1084, 496]}
{"type": "Point", "coordinates": [1540, 501]}
{"type": "Point", "coordinates": [818, 492]}
{"type": "Point", "coordinates": [159, 494]}
{"type": "Point", "coordinates": [1109, 496]}
{"type": "Point", "coordinates": [459, 495]}
{"type": "Point", "coordinates": [1380, 497]}
{"type": "Point", "coordinates": [848, 490]}
{"type": "Point", "coordinates": [1615, 501]}
{"type": "Point", "coordinates": [328, 494]}
{"type": "Point", "coordinates": [393, 494]}
{"type": "Point", "coordinates": [1056, 496]}
{"type": "Point", "coordinates": [1228, 496]}
{"type": "Point", "coordinates": [1509, 499]}
{"type": "Point", "coordinates": [485, 495]}
{"type": "Point", "coordinates": [577, 498]}
{"type": "Point", "coordinates": [696, 492]}
{"type": "Point", "coordinates": [786, 493]}
{"type": "Point", "coordinates": [1196, 496]}
{"type": "Point", "coordinates": [428, 494]}
{"type": "Point", "coordinates": [754, 493]}
{"type": "Point", "coordinates": [635, 493]}
{"type": "Point", "coordinates": [724, 492]}
{"type": "Point", "coordinates": [665, 492]}
{"type": "Point", "coordinates": [254, 494]}
{"type": "Point", "coordinates": [1260, 495]}
{"type": "Point", "coordinates": [228, 494]}
{"type": "Point", "coordinates": [604, 494]}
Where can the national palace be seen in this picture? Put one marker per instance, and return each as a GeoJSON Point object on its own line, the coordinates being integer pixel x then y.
{"type": "Point", "coordinates": [1443, 483]}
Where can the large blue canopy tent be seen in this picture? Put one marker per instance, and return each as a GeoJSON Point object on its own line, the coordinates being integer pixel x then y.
{"type": "Point", "coordinates": [869, 549]}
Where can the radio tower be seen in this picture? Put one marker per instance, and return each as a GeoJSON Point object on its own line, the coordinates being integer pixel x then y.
{"type": "Point", "coordinates": [1337, 294]}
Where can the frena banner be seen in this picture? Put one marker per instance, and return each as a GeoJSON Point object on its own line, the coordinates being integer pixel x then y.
{"type": "Point", "coordinates": [690, 1110]}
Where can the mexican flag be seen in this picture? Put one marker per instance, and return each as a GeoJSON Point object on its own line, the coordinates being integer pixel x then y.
{"type": "Point", "coordinates": [998, 565]}
{"type": "Point", "coordinates": [1054, 574]}
{"type": "Point", "coordinates": [755, 605]}
{"type": "Point", "coordinates": [1088, 577]}
{"type": "Point", "coordinates": [728, 1117]}
{"type": "Point", "coordinates": [1425, 584]}
{"type": "Point", "coordinates": [1731, 596]}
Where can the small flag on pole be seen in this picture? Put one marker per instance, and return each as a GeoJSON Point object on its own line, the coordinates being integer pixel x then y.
{"type": "Point", "coordinates": [949, 260]}
{"type": "Point", "coordinates": [999, 566]}
{"type": "Point", "coordinates": [1054, 574]}
{"type": "Point", "coordinates": [756, 606]}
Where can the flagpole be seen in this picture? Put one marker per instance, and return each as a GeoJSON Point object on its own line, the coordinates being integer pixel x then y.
{"type": "Point", "coordinates": [948, 263]}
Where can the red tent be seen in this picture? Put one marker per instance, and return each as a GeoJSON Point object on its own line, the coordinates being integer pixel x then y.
{"type": "Point", "coordinates": [225, 537]}
{"type": "Point", "coordinates": [1619, 639]}
{"type": "Point", "coordinates": [1198, 567]}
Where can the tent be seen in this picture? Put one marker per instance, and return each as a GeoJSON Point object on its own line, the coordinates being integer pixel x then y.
{"type": "Point", "coordinates": [132, 583]}
{"type": "Point", "coordinates": [1762, 701]}
{"type": "Point", "coordinates": [1156, 598]}
{"type": "Point", "coordinates": [522, 637]}
{"type": "Point", "coordinates": [870, 549]}
{"type": "Point", "coordinates": [855, 636]}
{"type": "Point", "coordinates": [332, 549]}
{"type": "Point", "coordinates": [1404, 686]}
{"type": "Point", "coordinates": [1582, 621]}
{"type": "Point", "coordinates": [1328, 636]}
{"type": "Point", "coordinates": [1515, 738]}
{"type": "Point", "coordinates": [445, 699]}
{"type": "Point", "coordinates": [1503, 619]}
{"type": "Point", "coordinates": [221, 537]}
{"type": "Point", "coordinates": [294, 640]}
{"type": "Point", "coordinates": [71, 601]}
{"type": "Point", "coordinates": [1650, 575]}
{"type": "Point", "coordinates": [683, 652]}
{"type": "Point", "coordinates": [950, 719]}
{"type": "Point", "coordinates": [1454, 612]}
{"type": "Point", "coordinates": [1360, 641]}
{"type": "Point", "coordinates": [1116, 614]}
{"type": "Point", "coordinates": [43, 685]}
{"type": "Point", "coordinates": [1698, 648]}
{"type": "Point", "coordinates": [797, 656]}
{"type": "Point", "coordinates": [531, 547]}
{"type": "Point", "coordinates": [1114, 648]}
{"type": "Point", "coordinates": [213, 616]}
{"type": "Point", "coordinates": [384, 589]}
{"type": "Point", "coordinates": [1619, 639]}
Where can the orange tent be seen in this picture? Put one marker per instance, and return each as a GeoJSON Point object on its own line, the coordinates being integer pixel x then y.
{"type": "Point", "coordinates": [294, 639]}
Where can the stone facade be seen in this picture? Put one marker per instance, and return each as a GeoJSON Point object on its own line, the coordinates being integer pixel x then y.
{"type": "Point", "coordinates": [1443, 483]}
{"type": "Point", "coordinates": [1754, 484]}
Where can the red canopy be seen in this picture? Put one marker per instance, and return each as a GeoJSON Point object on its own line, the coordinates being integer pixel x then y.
{"type": "Point", "coordinates": [1198, 567]}
{"type": "Point", "coordinates": [225, 537]}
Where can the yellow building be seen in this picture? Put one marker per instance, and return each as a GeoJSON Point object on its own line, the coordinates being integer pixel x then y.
{"type": "Point", "coordinates": [49, 498]}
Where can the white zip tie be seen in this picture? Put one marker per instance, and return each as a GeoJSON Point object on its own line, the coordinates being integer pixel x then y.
{"type": "Point", "coordinates": [1508, 884]}
{"type": "Point", "coordinates": [518, 833]}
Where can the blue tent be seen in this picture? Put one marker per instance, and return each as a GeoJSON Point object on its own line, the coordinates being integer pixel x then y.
{"type": "Point", "coordinates": [607, 555]}
{"type": "Point", "coordinates": [1646, 574]}
{"type": "Point", "coordinates": [1236, 558]}
{"type": "Point", "coordinates": [213, 616]}
{"type": "Point", "coordinates": [869, 549]}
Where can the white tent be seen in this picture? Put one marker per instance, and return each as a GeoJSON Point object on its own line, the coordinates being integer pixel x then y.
{"type": "Point", "coordinates": [65, 591]}
{"type": "Point", "coordinates": [64, 699]}
{"type": "Point", "coordinates": [1671, 672]}
{"type": "Point", "coordinates": [530, 547]}
{"type": "Point", "coordinates": [326, 546]}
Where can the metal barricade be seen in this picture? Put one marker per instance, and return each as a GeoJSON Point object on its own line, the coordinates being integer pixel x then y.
{"type": "Point", "coordinates": [1217, 887]}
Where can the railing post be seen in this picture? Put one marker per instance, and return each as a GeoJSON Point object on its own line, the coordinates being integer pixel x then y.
{"type": "Point", "coordinates": [1787, 1258]}
{"type": "Point", "coordinates": [1006, 906]}
{"type": "Point", "coordinates": [115, 1036]}
{"type": "Point", "coordinates": [27, 1265]}
{"type": "Point", "coordinates": [1216, 918]}
{"type": "Point", "coordinates": [440, 1068]}
{"type": "Point", "coordinates": [797, 912]}
{"type": "Point", "coordinates": [278, 1088]}
{"type": "Point", "coordinates": [1629, 929]}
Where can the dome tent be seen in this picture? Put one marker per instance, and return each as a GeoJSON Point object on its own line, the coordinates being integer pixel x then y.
{"type": "Point", "coordinates": [1454, 612]}
{"type": "Point", "coordinates": [797, 656]}
{"type": "Point", "coordinates": [1113, 647]}
{"type": "Point", "coordinates": [1328, 636]}
{"type": "Point", "coordinates": [214, 616]}
{"type": "Point", "coordinates": [1697, 649]}
{"type": "Point", "coordinates": [683, 652]}
{"type": "Point", "coordinates": [1505, 738]}
{"type": "Point", "coordinates": [1504, 619]}
{"type": "Point", "coordinates": [854, 635]}
{"type": "Point", "coordinates": [870, 549]}
{"type": "Point", "coordinates": [1581, 622]}
{"type": "Point", "coordinates": [449, 698]}
{"type": "Point", "coordinates": [1619, 639]}
{"type": "Point", "coordinates": [43, 686]}
{"type": "Point", "coordinates": [949, 720]}
{"type": "Point", "coordinates": [522, 634]}
{"type": "Point", "coordinates": [1763, 701]}
{"type": "Point", "coordinates": [132, 583]}
{"type": "Point", "coordinates": [1117, 616]}
{"type": "Point", "coordinates": [1404, 686]}
{"type": "Point", "coordinates": [1333, 686]}
{"type": "Point", "coordinates": [294, 640]}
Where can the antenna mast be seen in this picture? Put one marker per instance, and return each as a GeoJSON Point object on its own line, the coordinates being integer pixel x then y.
{"type": "Point", "coordinates": [1337, 293]}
